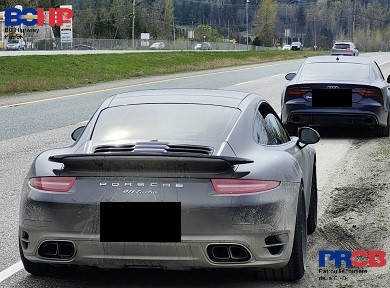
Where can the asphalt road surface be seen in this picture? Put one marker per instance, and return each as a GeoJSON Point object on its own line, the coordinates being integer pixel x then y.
{"type": "Point", "coordinates": [35, 122]}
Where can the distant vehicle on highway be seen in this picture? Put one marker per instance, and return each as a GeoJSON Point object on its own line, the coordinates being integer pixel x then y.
{"type": "Point", "coordinates": [157, 46]}
{"type": "Point", "coordinates": [344, 48]}
{"type": "Point", "coordinates": [84, 47]}
{"type": "Point", "coordinates": [337, 90]}
{"type": "Point", "coordinates": [218, 183]}
{"type": "Point", "coordinates": [286, 47]}
{"type": "Point", "coordinates": [296, 46]}
{"type": "Point", "coordinates": [206, 46]}
{"type": "Point", "coordinates": [15, 44]}
{"type": "Point", "coordinates": [198, 46]}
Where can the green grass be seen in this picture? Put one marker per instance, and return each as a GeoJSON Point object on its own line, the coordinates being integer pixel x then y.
{"type": "Point", "coordinates": [22, 74]}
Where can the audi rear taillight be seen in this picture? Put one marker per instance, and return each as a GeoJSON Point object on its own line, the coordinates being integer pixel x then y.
{"type": "Point", "coordinates": [369, 92]}
{"type": "Point", "coordinates": [52, 184]}
{"type": "Point", "coordinates": [297, 91]}
{"type": "Point", "coordinates": [242, 186]}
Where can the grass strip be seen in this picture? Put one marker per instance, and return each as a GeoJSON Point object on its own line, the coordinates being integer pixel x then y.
{"type": "Point", "coordinates": [21, 74]}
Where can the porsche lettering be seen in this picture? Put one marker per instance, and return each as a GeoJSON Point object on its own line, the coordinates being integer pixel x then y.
{"type": "Point", "coordinates": [140, 184]}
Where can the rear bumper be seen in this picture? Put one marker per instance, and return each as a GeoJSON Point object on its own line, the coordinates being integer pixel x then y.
{"type": "Point", "coordinates": [359, 115]}
{"type": "Point", "coordinates": [247, 221]}
{"type": "Point", "coordinates": [343, 53]}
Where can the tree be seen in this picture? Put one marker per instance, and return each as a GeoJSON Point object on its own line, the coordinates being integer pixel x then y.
{"type": "Point", "coordinates": [265, 20]}
{"type": "Point", "coordinates": [169, 18]}
{"type": "Point", "coordinates": [206, 33]}
{"type": "Point", "coordinates": [85, 20]}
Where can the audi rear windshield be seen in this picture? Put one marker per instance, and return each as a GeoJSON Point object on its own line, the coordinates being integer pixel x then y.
{"type": "Point", "coordinates": [342, 46]}
{"type": "Point", "coordinates": [164, 122]}
{"type": "Point", "coordinates": [335, 70]}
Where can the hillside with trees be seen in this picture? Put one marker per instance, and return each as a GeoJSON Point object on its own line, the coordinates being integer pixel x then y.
{"type": "Point", "coordinates": [271, 22]}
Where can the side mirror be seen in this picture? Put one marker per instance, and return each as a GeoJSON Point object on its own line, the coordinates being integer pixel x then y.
{"type": "Point", "coordinates": [388, 79]}
{"type": "Point", "coordinates": [307, 135]}
{"type": "Point", "coordinates": [290, 76]}
{"type": "Point", "coordinates": [77, 133]}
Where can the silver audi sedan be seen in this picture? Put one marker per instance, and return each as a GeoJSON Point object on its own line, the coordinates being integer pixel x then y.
{"type": "Point", "coordinates": [174, 179]}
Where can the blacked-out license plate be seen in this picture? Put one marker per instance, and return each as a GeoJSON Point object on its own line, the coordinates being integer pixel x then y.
{"type": "Point", "coordinates": [332, 98]}
{"type": "Point", "coordinates": [140, 222]}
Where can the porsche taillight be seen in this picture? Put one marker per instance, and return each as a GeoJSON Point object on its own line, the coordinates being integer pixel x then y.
{"type": "Point", "coordinates": [242, 186]}
{"type": "Point", "coordinates": [52, 184]}
{"type": "Point", "coordinates": [369, 92]}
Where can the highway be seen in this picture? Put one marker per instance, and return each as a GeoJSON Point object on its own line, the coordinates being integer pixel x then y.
{"type": "Point", "coordinates": [34, 122]}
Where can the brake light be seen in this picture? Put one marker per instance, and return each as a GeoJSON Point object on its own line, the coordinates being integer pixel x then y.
{"type": "Point", "coordinates": [242, 186]}
{"type": "Point", "coordinates": [369, 92]}
{"type": "Point", "coordinates": [297, 91]}
{"type": "Point", "coordinates": [52, 184]}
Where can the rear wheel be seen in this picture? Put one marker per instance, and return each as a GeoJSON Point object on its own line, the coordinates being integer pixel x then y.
{"type": "Point", "coordinates": [382, 131]}
{"type": "Point", "coordinates": [312, 217]}
{"type": "Point", "coordinates": [44, 269]}
{"type": "Point", "coordinates": [295, 268]}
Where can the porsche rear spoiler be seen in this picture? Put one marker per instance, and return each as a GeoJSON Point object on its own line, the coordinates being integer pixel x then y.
{"type": "Point", "coordinates": [178, 165]}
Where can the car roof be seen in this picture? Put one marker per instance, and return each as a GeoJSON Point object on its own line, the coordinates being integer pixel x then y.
{"type": "Point", "coordinates": [341, 59]}
{"type": "Point", "coordinates": [343, 42]}
{"type": "Point", "coordinates": [196, 96]}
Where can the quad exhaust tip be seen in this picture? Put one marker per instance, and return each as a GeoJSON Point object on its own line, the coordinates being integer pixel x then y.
{"type": "Point", "coordinates": [58, 250]}
{"type": "Point", "coordinates": [228, 253]}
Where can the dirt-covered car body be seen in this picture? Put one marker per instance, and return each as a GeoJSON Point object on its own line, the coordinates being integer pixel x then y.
{"type": "Point", "coordinates": [337, 90]}
{"type": "Point", "coordinates": [174, 179]}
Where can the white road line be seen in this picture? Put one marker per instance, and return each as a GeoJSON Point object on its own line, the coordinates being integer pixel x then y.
{"type": "Point", "coordinates": [140, 84]}
{"type": "Point", "coordinates": [277, 75]}
{"type": "Point", "coordinates": [11, 271]}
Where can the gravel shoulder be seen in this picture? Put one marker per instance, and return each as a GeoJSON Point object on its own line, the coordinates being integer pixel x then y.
{"type": "Point", "coordinates": [355, 214]}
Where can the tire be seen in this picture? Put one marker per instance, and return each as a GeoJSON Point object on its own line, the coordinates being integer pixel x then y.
{"type": "Point", "coordinates": [313, 208]}
{"type": "Point", "coordinates": [292, 129]}
{"type": "Point", "coordinates": [295, 268]}
{"type": "Point", "coordinates": [383, 131]}
{"type": "Point", "coordinates": [44, 269]}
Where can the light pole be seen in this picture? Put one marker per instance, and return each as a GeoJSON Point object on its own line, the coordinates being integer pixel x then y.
{"type": "Point", "coordinates": [174, 34]}
{"type": "Point", "coordinates": [247, 25]}
{"type": "Point", "coordinates": [285, 20]}
{"type": "Point", "coordinates": [132, 28]}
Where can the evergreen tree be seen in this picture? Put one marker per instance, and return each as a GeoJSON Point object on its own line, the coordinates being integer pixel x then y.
{"type": "Point", "coordinates": [265, 18]}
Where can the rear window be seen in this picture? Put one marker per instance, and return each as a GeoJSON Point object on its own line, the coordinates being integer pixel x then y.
{"type": "Point", "coordinates": [342, 46]}
{"type": "Point", "coordinates": [335, 71]}
{"type": "Point", "coordinates": [164, 122]}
